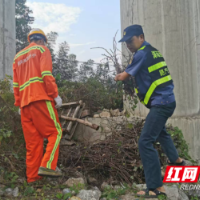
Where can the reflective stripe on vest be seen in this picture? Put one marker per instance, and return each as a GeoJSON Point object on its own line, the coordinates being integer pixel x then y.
{"type": "Point", "coordinates": [136, 91]}
{"type": "Point", "coordinates": [141, 48]}
{"type": "Point", "coordinates": [157, 66]}
{"type": "Point", "coordinates": [153, 87]}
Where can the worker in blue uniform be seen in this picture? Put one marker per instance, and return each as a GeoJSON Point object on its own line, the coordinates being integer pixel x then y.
{"type": "Point", "coordinates": [154, 88]}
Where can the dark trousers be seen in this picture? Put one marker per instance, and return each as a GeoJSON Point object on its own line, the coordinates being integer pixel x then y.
{"type": "Point", "coordinates": [154, 130]}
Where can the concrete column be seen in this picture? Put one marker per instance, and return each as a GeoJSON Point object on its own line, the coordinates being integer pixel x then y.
{"type": "Point", "coordinates": [173, 27]}
{"type": "Point", "coordinates": [7, 36]}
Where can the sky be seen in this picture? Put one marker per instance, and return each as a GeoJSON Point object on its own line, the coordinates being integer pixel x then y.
{"type": "Point", "coordinates": [82, 23]}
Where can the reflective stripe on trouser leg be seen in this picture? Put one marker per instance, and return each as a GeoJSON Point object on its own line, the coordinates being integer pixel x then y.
{"type": "Point", "coordinates": [58, 128]}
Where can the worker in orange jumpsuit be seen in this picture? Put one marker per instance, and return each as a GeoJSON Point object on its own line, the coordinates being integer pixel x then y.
{"type": "Point", "coordinates": [36, 94]}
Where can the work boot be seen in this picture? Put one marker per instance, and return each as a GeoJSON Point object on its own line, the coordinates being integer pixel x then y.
{"type": "Point", "coordinates": [49, 172]}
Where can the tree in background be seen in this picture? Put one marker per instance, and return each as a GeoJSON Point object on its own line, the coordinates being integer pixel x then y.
{"type": "Point", "coordinates": [102, 71]}
{"type": "Point", "coordinates": [66, 65]}
{"type": "Point", "coordinates": [23, 20]}
{"type": "Point", "coordinates": [51, 38]}
{"type": "Point", "coordinates": [73, 66]}
{"type": "Point", "coordinates": [51, 42]}
{"type": "Point", "coordinates": [86, 71]}
{"type": "Point", "coordinates": [62, 61]}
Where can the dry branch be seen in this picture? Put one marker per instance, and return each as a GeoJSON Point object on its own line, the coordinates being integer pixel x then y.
{"type": "Point", "coordinates": [85, 122]}
{"type": "Point", "coordinates": [116, 158]}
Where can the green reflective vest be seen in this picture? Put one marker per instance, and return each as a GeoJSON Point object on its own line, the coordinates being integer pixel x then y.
{"type": "Point", "coordinates": [158, 71]}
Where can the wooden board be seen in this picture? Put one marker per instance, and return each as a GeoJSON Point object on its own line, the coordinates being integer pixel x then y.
{"type": "Point", "coordinates": [73, 110]}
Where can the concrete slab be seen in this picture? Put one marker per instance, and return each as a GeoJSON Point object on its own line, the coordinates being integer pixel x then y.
{"type": "Point", "coordinates": [7, 37]}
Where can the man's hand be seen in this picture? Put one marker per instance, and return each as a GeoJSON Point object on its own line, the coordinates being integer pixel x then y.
{"type": "Point", "coordinates": [122, 76]}
{"type": "Point", "coordinates": [116, 77]}
{"type": "Point", "coordinates": [58, 101]}
{"type": "Point", "coordinates": [19, 111]}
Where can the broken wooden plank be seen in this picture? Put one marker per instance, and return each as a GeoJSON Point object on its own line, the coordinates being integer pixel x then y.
{"type": "Point", "coordinates": [71, 104]}
{"type": "Point", "coordinates": [69, 127]}
{"type": "Point", "coordinates": [85, 122]}
{"type": "Point", "coordinates": [76, 124]}
{"type": "Point", "coordinates": [75, 115]}
{"type": "Point", "coordinates": [73, 110]}
{"type": "Point", "coordinates": [68, 115]}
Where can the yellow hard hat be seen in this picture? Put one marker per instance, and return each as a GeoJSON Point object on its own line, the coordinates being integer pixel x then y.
{"type": "Point", "coordinates": [37, 33]}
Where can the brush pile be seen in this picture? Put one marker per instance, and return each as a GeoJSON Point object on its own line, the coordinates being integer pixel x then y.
{"type": "Point", "coordinates": [116, 158]}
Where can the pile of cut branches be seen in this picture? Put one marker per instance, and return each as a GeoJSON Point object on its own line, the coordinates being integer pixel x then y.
{"type": "Point", "coordinates": [116, 158]}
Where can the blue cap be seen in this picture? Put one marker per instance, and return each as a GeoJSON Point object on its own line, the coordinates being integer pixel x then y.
{"type": "Point", "coordinates": [130, 31]}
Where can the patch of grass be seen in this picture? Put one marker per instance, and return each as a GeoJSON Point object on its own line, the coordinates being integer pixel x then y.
{"type": "Point", "coordinates": [77, 188]}
{"type": "Point", "coordinates": [29, 191]}
{"type": "Point", "coordinates": [111, 193]}
{"type": "Point", "coordinates": [63, 196]}
{"type": "Point", "coordinates": [195, 198]}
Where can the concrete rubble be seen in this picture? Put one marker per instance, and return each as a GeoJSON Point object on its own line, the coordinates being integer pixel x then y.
{"type": "Point", "coordinates": [109, 113]}
{"type": "Point", "coordinates": [89, 194]}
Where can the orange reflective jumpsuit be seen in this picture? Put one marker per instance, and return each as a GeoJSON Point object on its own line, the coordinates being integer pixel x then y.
{"type": "Point", "coordinates": [34, 91]}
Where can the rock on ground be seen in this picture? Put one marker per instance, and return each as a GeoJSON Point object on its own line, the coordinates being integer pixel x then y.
{"type": "Point", "coordinates": [105, 114]}
{"type": "Point", "coordinates": [16, 192]}
{"type": "Point", "coordinates": [182, 196]}
{"type": "Point", "coordinates": [115, 113]}
{"type": "Point", "coordinates": [66, 191]}
{"type": "Point", "coordinates": [75, 198]}
{"type": "Point", "coordinates": [190, 193]}
{"type": "Point", "coordinates": [173, 192]}
{"type": "Point", "coordinates": [188, 163]}
{"type": "Point", "coordinates": [74, 181]}
{"type": "Point", "coordinates": [8, 192]}
{"type": "Point", "coordinates": [89, 194]}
